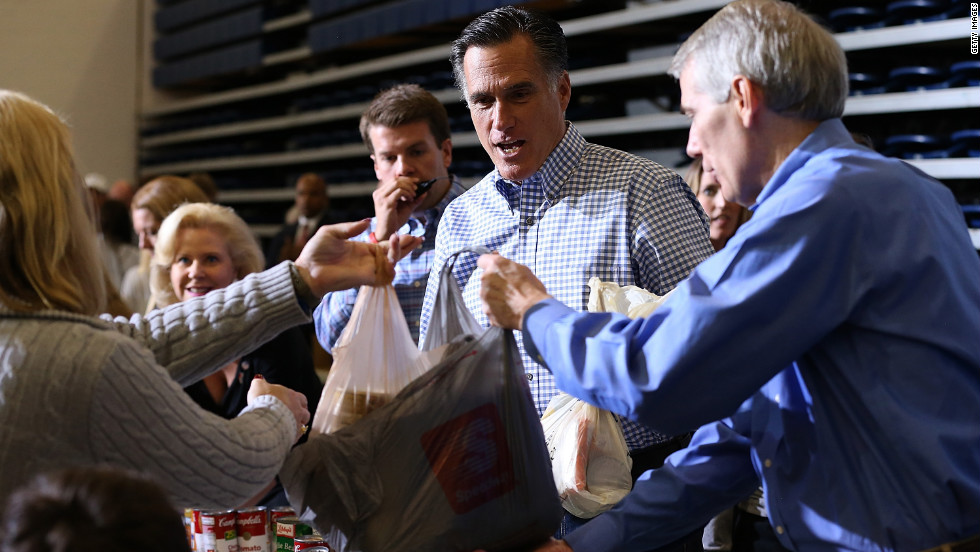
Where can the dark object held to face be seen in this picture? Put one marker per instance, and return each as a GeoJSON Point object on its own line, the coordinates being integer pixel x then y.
{"type": "Point", "coordinates": [424, 186]}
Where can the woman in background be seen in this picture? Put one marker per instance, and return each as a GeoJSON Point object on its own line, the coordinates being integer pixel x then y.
{"type": "Point", "coordinates": [151, 204]}
{"type": "Point", "coordinates": [203, 247]}
{"type": "Point", "coordinates": [119, 251]}
{"type": "Point", "coordinates": [725, 216]}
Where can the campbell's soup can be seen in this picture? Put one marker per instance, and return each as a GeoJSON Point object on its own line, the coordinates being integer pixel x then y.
{"type": "Point", "coordinates": [198, 529]}
{"type": "Point", "coordinates": [252, 525]}
{"type": "Point", "coordinates": [219, 531]}
{"type": "Point", "coordinates": [274, 515]}
{"type": "Point", "coordinates": [287, 529]}
{"type": "Point", "coordinates": [308, 542]}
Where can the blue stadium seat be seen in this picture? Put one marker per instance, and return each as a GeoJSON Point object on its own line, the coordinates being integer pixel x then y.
{"type": "Point", "coordinates": [909, 79]}
{"type": "Point", "coordinates": [915, 146]}
{"type": "Point", "coordinates": [907, 12]}
{"type": "Point", "coordinates": [855, 18]}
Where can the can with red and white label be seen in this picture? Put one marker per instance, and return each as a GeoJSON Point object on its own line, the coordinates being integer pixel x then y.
{"type": "Point", "coordinates": [308, 542]}
{"type": "Point", "coordinates": [197, 529]}
{"type": "Point", "coordinates": [274, 515]}
{"type": "Point", "coordinates": [253, 529]}
{"type": "Point", "coordinates": [219, 531]}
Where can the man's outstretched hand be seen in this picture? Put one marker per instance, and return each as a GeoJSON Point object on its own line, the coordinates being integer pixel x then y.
{"type": "Point", "coordinates": [331, 262]}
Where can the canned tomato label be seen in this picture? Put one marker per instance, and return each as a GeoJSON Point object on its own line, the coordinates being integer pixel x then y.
{"type": "Point", "coordinates": [219, 531]}
{"type": "Point", "coordinates": [287, 529]}
{"type": "Point", "coordinates": [307, 542]}
{"type": "Point", "coordinates": [252, 525]}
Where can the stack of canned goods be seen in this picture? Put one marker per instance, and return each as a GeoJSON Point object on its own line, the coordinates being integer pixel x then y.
{"type": "Point", "coordinates": [256, 529]}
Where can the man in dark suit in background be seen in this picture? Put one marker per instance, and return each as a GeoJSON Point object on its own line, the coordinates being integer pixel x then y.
{"type": "Point", "coordinates": [312, 202]}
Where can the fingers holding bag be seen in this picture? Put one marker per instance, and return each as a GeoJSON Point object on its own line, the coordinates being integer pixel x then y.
{"type": "Point", "coordinates": [295, 400]}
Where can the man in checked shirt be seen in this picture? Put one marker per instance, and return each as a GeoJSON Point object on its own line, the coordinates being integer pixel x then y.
{"type": "Point", "coordinates": [406, 130]}
{"type": "Point", "coordinates": [568, 209]}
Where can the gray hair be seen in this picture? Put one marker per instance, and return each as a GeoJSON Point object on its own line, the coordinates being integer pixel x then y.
{"type": "Point", "coordinates": [799, 65]}
{"type": "Point", "coordinates": [500, 26]}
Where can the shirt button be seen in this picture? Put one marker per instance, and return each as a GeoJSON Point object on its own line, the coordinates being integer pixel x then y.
{"type": "Point", "coordinates": [417, 283]}
{"type": "Point", "coordinates": [540, 359]}
{"type": "Point", "coordinates": [780, 530]}
{"type": "Point", "coordinates": [767, 463]}
{"type": "Point", "coordinates": [530, 221]}
{"type": "Point", "coordinates": [529, 376]}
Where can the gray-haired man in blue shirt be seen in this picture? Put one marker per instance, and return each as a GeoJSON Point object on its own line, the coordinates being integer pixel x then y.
{"type": "Point", "coordinates": [835, 336]}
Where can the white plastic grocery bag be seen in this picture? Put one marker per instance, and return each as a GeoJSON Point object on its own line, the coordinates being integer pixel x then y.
{"type": "Point", "coordinates": [589, 458]}
{"type": "Point", "coordinates": [374, 358]}
{"type": "Point", "coordinates": [632, 301]}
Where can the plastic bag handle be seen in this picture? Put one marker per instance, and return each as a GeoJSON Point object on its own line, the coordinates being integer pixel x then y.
{"type": "Point", "coordinates": [450, 317]}
{"type": "Point", "coordinates": [451, 260]}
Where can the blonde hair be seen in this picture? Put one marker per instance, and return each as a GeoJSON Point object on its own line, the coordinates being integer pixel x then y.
{"type": "Point", "coordinates": [47, 226]}
{"type": "Point", "coordinates": [246, 255]}
{"type": "Point", "coordinates": [163, 194]}
{"type": "Point", "coordinates": [160, 196]}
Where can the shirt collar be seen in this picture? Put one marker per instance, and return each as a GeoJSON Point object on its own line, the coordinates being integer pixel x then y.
{"type": "Point", "coordinates": [828, 134]}
{"type": "Point", "coordinates": [306, 221]}
{"type": "Point", "coordinates": [553, 174]}
{"type": "Point", "coordinates": [455, 190]}
{"type": "Point", "coordinates": [433, 214]}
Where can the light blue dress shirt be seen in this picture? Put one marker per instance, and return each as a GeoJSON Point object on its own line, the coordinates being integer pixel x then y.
{"type": "Point", "coordinates": [839, 333]}
{"type": "Point", "coordinates": [588, 211]}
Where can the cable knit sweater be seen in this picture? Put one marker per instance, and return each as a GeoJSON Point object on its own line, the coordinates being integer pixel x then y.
{"type": "Point", "coordinates": [78, 390]}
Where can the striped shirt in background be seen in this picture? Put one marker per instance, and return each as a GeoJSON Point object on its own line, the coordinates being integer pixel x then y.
{"type": "Point", "coordinates": [411, 273]}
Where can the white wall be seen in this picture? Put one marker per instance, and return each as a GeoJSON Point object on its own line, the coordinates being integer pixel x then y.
{"type": "Point", "coordinates": [82, 59]}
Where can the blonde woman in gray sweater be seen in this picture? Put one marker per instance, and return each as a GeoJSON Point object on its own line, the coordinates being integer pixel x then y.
{"type": "Point", "coordinates": [77, 389]}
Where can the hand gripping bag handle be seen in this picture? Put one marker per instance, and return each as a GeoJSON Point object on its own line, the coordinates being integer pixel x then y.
{"type": "Point", "coordinates": [450, 317]}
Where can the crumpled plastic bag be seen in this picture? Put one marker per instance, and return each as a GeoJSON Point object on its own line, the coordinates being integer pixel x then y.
{"type": "Point", "coordinates": [455, 461]}
{"type": "Point", "coordinates": [632, 301]}
{"type": "Point", "coordinates": [589, 458]}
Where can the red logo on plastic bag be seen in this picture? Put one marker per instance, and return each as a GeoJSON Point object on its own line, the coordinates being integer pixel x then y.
{"type": "Point", "coordinates": [470, 458]}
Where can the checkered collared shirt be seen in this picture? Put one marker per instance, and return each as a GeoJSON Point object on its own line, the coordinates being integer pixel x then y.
{"type": "Point", "coordinates": [589, 211]}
